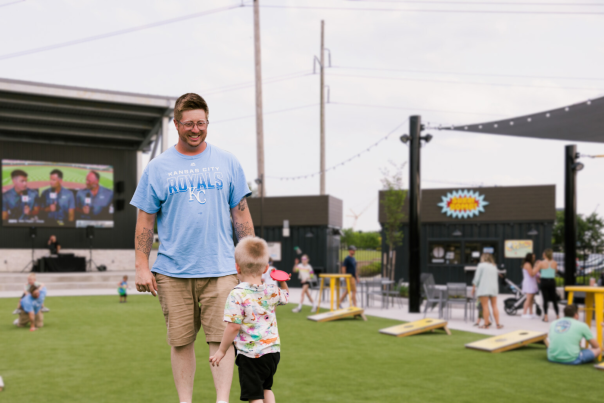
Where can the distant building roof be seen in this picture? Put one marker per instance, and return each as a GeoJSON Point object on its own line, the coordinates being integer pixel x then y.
{"type": "Point", "coordinates": [47, 113]}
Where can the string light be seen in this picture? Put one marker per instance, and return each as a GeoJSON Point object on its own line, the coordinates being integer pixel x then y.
{"type": "Point", "coordinates": [343, 162]}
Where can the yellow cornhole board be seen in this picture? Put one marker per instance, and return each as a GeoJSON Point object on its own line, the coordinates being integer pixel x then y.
{"type": "Point", "coordinates": [599, 366]}
{"type": "Point", "coordinates": [508, 341]}
{"type": "Point", "coordinates": [419, 326]}
{"type": "Point", "coordinates": [338, 314]}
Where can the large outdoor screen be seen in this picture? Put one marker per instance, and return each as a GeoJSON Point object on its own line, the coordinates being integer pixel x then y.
{"type": "Point", "coordinates": [51, 194]}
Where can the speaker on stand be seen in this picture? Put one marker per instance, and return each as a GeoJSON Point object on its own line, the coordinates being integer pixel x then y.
{"type": "Point", "coordinates": [33, 233]}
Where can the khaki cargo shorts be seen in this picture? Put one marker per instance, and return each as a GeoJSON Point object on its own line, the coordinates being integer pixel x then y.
{"type": "Point", "coordinates": [191, 303]}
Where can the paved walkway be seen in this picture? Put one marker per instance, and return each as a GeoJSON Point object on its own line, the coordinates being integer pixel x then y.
{"type": "Point", "coordinates": [456, 322]}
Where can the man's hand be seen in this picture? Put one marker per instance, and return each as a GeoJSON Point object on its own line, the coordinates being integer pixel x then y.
{"type": "Point", "coordinates": [215, 359]}
{"type": "Point", "coordinates": [53, 207]}
{"type": "Point", "coordinates": [86, 209]}
{"type": "Point", "coordinates": [145, 281]}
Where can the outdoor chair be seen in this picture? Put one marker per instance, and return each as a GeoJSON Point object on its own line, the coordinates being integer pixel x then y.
{"type": "Point", "coordinates": [376, 287]}
{"type": "Point", "coordinates": [394, 293]}
{"type": "Point", "coordinates": [457, 293]}
{"type": "Point", "coordinates": [433, 296]}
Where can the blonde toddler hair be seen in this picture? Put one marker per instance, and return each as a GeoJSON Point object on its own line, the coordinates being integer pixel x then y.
{"type": "Point", "coordinates": [251, 254]}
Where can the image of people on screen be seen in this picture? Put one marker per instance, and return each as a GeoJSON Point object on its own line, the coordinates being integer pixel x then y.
{"type": "Point", "coordinates": [58, 202]}
{"type": "Point", "coordinates": [94, 202]}
{"type": "Point", "coordinates": [20, 203]}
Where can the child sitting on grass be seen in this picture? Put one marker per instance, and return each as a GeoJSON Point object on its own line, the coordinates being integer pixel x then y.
{"type": "Point", "coordinates": [123, 289]}
{"type": "Point", "coordinates": [250, 311]}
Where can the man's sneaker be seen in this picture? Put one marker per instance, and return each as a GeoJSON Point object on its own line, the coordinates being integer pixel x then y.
{"type": "Point", "coordinates": [17, 311]}
{"type": "Point", "coordinates": [297, 309]}
{"type": "Point", "coordinates": [44, 309]}
{"type": "Point", "coordinates": [16, 322]}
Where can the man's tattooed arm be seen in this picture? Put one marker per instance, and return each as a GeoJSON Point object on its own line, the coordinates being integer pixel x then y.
{"type": "Point", "coordinates": [242, 205]}
{"type": "Point", "coordinates": [144, 241]}
{"type": "Point", "coordinates": [243, 229]}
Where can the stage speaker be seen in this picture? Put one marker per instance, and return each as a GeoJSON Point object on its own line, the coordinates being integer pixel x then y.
{"type": "Point", "coordinates": [119, 187]}
{"type": "Point", "coordinates": [33, 232]}
{"type": "Point", "coordinates": [90, 232]}
{"type": "Point", "coordinates": [101, 268]}
{"type": "Point", "coordinates": [119, 205]}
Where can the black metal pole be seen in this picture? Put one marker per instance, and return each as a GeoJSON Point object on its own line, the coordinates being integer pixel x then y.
{"type": "Point", "coordinates": [414, 214]}
{"type": "Point", "coordinates": [570, 216]}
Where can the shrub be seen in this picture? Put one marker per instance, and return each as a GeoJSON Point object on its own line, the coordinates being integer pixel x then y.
{"type": "Point", "coordinates": [370, 270]}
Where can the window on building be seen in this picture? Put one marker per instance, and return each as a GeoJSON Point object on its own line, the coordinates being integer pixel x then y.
{"type": "Point", "coordinates": [473, 251]}
{"type": "Point", "coordinates": [445, 253]}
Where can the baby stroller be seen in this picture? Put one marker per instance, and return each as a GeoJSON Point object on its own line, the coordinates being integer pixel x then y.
{"type": "Point", "coordinates": [512, 305]}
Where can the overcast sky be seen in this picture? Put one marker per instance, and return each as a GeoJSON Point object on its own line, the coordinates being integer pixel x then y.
{"type": "Point", "coordinates": [448, 67]}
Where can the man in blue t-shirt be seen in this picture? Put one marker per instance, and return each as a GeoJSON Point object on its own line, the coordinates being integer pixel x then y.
{"type": "Point", "coordinates": [58, 202]}
{"type": "Point", "coordinates": [94, 202]}
{"type": "Point", "coordinates": [20, 203]}
{"type": "Point", "coordinates": [349, 266]}
{"type": "Point", "coordinates": [193, 189]}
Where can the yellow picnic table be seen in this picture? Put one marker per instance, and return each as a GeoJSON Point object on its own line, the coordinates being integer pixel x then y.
{"type": "Point", "coordinates": [334, 287]}
{"type": "Point", "coordinates": [594, 302]}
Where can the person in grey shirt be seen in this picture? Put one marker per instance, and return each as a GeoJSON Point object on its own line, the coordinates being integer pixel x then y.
{"type": "Point", "coordinates": [486, 288]}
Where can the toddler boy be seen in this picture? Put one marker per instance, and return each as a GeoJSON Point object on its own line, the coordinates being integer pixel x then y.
{"type": "Point", "coordinates": [250, 311]}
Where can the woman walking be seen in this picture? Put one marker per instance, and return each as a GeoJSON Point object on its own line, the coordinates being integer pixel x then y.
{"type": "Point", "coordinates": [305, 273]}
{"type": "Point", "coordinates": [486, 288]}
{"type": "Point", "coordinates": [548, 268]}
{"type": "Point", "coordinates": [529, 285]}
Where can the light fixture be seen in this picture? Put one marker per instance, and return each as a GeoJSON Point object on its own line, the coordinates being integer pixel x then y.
{"type": "Point", "coordinates": [405, 138]}
{"type": "Point", "coordinates": [457, 233]}
{"type": "Point", "coordinates": [427, 138]}
{"type": "Point", "coordinates": [532, 232]}
{"type": "Point", "coordinates": [309, 234]}
{"type": "Point", "coordinates": [578, 166]}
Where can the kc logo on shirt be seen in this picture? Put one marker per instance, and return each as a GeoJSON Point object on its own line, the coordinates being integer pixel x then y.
{"type": "Point", "coordinates": [195, 182]}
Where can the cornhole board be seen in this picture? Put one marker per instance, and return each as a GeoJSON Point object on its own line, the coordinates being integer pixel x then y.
{"type": "Point", "coordinates": [338, 314]}
{"type": "Point", "coordinates": [419, 326]}
{"type": "Point", "coordinates": [599, 366]}
{"type": "Point", "coordinates": [508, 341]}
{"type": "Point", "coordinates": [1, 384]}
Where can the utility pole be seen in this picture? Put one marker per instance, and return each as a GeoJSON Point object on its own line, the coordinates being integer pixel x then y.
{"type": "Point", "coordinates": [415, 226]}
{"type": "Point", "coordinates": [322, 66]}
{"type": "Point", "coordinates": [259, 117]}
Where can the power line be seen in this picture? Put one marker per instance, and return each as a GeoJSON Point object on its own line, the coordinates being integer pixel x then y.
{"type": "Point", "coordinates": [358, 155]}
{"type": "Point", "coordinates": [464, 82]}
{"type": "Point", "coordinates": [482, 3]}
{"type": "Point", "coordinates": [566, 13]}
{"type": "Point", "coordinates": [266, 113]}
{"type": "Point", "coordinates": [411, 108]}
{"type": "Point", "coordinates": [11, 3]}
{"type": "Point", "coordinates": [233, 87]}
{"type": "Point", "coordinates": [116, 33]}
{"type": "Point", "coordinates": [468, 74]}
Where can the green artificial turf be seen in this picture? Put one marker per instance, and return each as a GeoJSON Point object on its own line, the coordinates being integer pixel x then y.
{"type": "Point", "coordinates": [93, 349]}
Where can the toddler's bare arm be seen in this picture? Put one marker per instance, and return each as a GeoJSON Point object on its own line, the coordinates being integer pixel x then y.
{"type": "Point", "coordinates": [227, 339]}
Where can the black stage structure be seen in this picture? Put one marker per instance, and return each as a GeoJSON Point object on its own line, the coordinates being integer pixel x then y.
{"type": "Point", "coordinates": [62, 124]}
{"type": "Point", "coordinates": [583, 121]}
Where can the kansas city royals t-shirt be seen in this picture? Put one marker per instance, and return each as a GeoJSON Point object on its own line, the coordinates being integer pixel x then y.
{"type": "Point", "coordinates": [192, 197]}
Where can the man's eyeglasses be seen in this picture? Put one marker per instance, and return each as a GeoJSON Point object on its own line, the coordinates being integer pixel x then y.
{"type": "Point", "coordinates": [200, 125]}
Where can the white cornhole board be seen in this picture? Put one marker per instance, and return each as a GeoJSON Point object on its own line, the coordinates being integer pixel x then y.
{"type": "Point", "coordinates": [599, 366]}
{"type": "Point", "coordinates": [419, 326]}
{"type": "Point", "coordinates": [338, 314]}
{"type": "Point", "coordinates": [1, 384]}
{"type": "Point", "coordinates": [508, 341]}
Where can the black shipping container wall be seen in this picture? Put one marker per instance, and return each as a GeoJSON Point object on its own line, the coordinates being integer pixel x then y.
{"type": "Point", "coordinates": [512, 213]}
{"type": "Point", "coordinates": [121, 236]}
{"type": "Point", "coordinates": [319, 216]}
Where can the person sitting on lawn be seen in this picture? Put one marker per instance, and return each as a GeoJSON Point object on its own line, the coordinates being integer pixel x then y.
{"type": "Point", "coordinates": [252, 322]}
{"type": "Point", "coordinates": [31, 280]}
{"type": "Point", "coordinates": [31, 305]}
{"type": "Point", "coordinates": [563, 346]}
